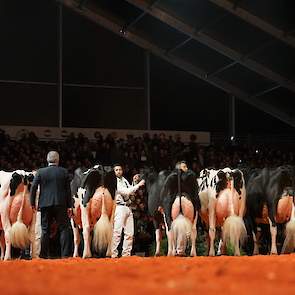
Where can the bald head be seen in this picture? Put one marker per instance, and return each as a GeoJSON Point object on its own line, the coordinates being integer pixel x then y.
{"type": "Point", "coordinates": [53, 157]}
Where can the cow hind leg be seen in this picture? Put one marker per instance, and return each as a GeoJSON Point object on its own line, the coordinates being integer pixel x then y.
{"type": "Point", "coordinates": [158, 241]}
{"type": "Point", "coordinates": [289, 243]}
{"type": "Point", "coordinates": [76, 238]}
{"type": "Point", "coordinates": [273, 232]}
{"type": "Point", "coordinates": [2, 245]}
{"type": "Point", "coordinates": [86, 231]}
{"type": "Point", "coordinates": [220, 248]}
{"type": "Point", "coordinates": [212, 224]}
{"type": "Point", "coordinates": [6, 228]}
{"type": "Point", "coordinates": [7, 255]}
{"type": "Point", "coordinates": [169, 233]}
{"type": "Point", "coordinates": [171, 247]}
{"type": "Point", "coordinates": [158, 221]}
{"type": "Point", "coordinates": [256, 248]}
{"type": "Point", "coordinates": [194, 237]}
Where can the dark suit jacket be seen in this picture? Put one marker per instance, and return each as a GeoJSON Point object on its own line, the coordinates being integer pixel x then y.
{"type": "Point", "coordinates": [54, 187]}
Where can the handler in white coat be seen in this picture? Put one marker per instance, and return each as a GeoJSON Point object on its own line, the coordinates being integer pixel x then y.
{"type": "Point", "coordinates": [123, 214]}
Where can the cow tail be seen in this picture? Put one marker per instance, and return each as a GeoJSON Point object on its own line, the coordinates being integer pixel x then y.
{"type": "Point", "coordinates": [231, 197]}
{"type": "Point", "coordinates": [234, 233]}
{"type": "Point", "coordinates": [289, 243]}
{"type": "Point", "coordinates": [19, 233]}
{"type": "Point", "coordinates": [179, 190]}
{"type": "Point", "coordinates": [102, 232]}
{"type": "Point", "coordinates": [181, 228]}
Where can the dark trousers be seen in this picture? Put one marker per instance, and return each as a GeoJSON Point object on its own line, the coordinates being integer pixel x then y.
{"type": "Point", "coordinates": [59, 215]}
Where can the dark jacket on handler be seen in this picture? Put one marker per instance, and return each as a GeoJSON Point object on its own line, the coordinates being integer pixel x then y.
{"type": "Point", "coordinates": [54, 187]}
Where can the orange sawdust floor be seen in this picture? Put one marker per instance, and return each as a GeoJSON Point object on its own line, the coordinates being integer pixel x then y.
{"type": "Point", "coordinates": [263, 275]}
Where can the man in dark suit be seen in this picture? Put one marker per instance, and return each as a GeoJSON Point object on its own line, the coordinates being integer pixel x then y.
{"type": "Point", "coordinates": [55, 203]}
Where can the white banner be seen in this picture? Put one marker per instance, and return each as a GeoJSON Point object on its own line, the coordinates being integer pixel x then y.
{"type": "Point", "coordinates": [54, 133]}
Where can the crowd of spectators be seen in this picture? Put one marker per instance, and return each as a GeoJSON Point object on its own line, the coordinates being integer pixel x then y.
{"type": "Point", "coordinates": [159, 151]}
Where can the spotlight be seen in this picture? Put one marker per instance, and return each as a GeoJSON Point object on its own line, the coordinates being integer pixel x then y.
{"type": "Point", "coordinates": [123, 31]}
{"type": "Point", "coordinates": [257, 151]}
{"type": "Point", "coordinates": [232, 138]}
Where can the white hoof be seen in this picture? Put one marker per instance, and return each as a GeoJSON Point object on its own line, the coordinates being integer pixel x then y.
{"type": "Point", "coordinates": [86, 255]}
{"type": "Point", "coordinates": [193, 253]}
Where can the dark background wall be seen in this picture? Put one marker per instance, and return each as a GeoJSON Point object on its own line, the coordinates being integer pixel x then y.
{"type": "Point", "coordinates": [93, 55]}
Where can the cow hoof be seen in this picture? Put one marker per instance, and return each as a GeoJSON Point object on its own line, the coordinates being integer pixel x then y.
{"type": "Point", "coordinates": [157, 255]}
{"type": "Point", "coordinates": [180, 255]}
{"type": "Point", "coordinates": [211, 253]}
{"type": "Point", "coordinates": [86, 256]}
{"type": "Point", "coordinates": [273, 253]}
{"type": "Point", "coordinates": [256, 251]}
{"type": "Point", "coordinates": [193, 254]}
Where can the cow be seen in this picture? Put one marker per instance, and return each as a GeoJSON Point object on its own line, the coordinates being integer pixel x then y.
{"type": "Point", "coordinates": [93, 192]}
{"type": "Point", "coordinates": [172, 200]}
{"type": "Point", "coordinates": [222, 197]}
{"type": "Point", "coordinates": [17, 217]}
{"type": "Point", "coordinates": [270, 200]}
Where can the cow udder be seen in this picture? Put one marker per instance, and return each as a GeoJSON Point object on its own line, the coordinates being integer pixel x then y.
{"type": "Point", "coordinates": [96, 204]}
{"type": "Point", "coordinates": [15, 208]}
{"type": "Point", "coordinates": [222, 206]}
{"type": "Point", "coordinates": [187, 208]}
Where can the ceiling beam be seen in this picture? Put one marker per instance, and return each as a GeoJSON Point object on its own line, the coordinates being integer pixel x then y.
{"type": "Point", "coordinates": [255, 21]}
{"type": "Point", "coordinates": [109, 22]}
{"type": "Point", "coordinates": [205, 39]}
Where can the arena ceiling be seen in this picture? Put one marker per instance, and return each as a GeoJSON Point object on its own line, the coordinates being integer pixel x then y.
{"type": "Point", "coordinates": [246, 48]}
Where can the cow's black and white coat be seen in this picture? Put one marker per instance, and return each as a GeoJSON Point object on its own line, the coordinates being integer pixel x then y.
{"type": "Point", "coordinates": [168, 190]}
{"type": "Point", "coordinates": [266, 187]}
{"type": "Point", "coordinates": [213, 183]}
{"type": "Point", "coordinates": [17, 234]}
{"type": "Point", "coordinates": [83, 187]}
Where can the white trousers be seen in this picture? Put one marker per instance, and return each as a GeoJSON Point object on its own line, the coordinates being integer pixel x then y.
{"type": "Point", "coordinates": [38, 233]}
{"type": "Point", "coordinates": [123, 220]}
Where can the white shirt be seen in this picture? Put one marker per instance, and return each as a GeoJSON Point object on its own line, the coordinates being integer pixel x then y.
{"type": "Point", "coordinates": [124, 190]}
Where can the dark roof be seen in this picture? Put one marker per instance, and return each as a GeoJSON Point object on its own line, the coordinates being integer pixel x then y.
{"type": "Point", "coordinates": [211, 38]}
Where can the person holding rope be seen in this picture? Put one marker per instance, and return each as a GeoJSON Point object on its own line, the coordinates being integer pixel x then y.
{"type": "Point", "coordinates": [123, 219]}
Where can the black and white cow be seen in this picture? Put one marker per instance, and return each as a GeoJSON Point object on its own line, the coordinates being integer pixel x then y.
{"type": "Point", "coordinates": [93, 192]}
{"type": "Point", "coordinates": [172, 199]}
{"type": "Point", "coordinates": [270, 200]}
{"type": "Point", "coordinates": [222, 197]}
{"type": "Point", "coordinates": [17, 219]}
